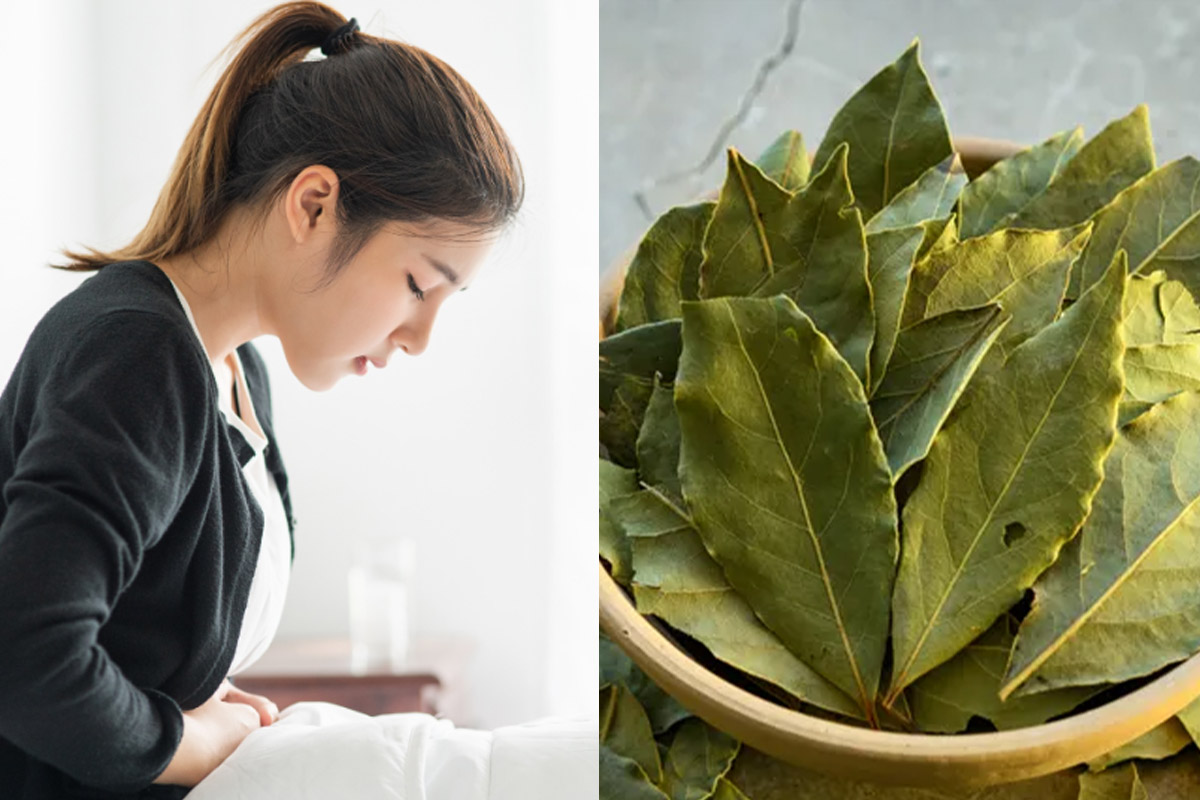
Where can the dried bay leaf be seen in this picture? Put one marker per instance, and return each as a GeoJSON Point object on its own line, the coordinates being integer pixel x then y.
{"type": "Point", "coordinates": [939, 233]}
{"type": "Point", "coordinates": [810, 246]}
{"type": "Point", "coordinates": [622, 779]}
{"type": "Point", "coordinates": [1112, 784]}
{"type": "Point", "coordinates": [677, 580]}
{"type": "Point", "coordinates": [1161, 741]}
{"type": "Point", "coordinates": [638, 354]}
{"type": "Point", "coordinates": [662, 710]}
{"type": "Point", "coordinates": [625, 729]}
{"type": "Point", "coordinates": [931, 366]}
{"type": "Point", "coordinates": [787, 482]}
{"type": "Point", "coordinates": [1123, 598]}
{"type": "Point", "coordinates": [1156, 221]}
{"type": "Point", "coordinates": [823, 264]}
{"type": "Point", "coordinates": [895, 128]}
{"type": "Point", "coordinates": [614, 547]}
{"type": "Point", "coordinates": [1009, 185]}
{"type": "Point", "coordinates": [931, 196]}
{"type": "Point", "coordinates": [666, 267]}
{"type": "Point", "coordinates": [1023, 271]}
{"type": "Point", "coordinates": [658, 443]}
{"type": "Point", "coordinates": [727, 791]}
{"type": "Point", "coordinates": [944, 699]}
{"type": "Point", "coordinates": [890, 256]}
{"type": "Point", "coordinates": [785, 161]}
{"type": "Point", "coordinates": [1159, 311]}
{"type": "Point", "coordinates": [1107, 163]}
{"type": "Point", "coordinates": [622, 419]}
{"type": "Point", "coordinates": [1155, 372]}
{"type": "Point", "coordinates": [629, 361]}
{"type": "Point", "coordinates": [1007, 481]}
{"type": "Point", "coordinates": [741, 247]}
{"type": "Point", "coordinates": [1190, 717]}
{"type": "Point", "coordinates": [763, 777]}
{"type": "Point", "coordinates": [698, 757]}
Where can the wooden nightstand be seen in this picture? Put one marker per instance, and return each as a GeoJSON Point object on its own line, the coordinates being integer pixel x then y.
{"type": "Point", "coordinates": [293, 670]}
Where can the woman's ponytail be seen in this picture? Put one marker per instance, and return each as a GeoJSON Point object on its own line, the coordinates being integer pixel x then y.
{"type": "Point", "coordinates": [408, 137]}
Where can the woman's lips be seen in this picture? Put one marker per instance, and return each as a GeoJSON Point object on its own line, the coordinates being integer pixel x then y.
{"type": "Point", "coordinates": [360, 365]}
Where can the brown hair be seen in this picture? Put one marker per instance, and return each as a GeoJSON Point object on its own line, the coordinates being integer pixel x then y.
{"type": "Point", "coordinates": [409, 139]}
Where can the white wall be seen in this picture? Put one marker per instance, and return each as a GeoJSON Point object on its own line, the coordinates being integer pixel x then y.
{"type": "Point", "coordinates": [481, 448]}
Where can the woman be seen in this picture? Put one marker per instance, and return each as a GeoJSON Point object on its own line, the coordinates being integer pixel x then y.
{"type": "Point", "coordinates": [145, 523]}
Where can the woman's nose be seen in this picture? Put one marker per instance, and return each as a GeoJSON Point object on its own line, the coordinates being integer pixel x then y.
{"type": "Point", "coordinates": [414, 338]}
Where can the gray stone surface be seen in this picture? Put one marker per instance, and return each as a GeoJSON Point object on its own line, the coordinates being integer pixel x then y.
{"type": "Point", "coordinates": [673, 71]}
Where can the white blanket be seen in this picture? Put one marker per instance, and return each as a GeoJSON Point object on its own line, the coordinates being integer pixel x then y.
{"type": "Point", "coordinates": [318, 751]}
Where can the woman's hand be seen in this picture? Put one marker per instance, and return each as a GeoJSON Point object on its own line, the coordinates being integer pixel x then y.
{"type": "Point", "coordinates": [212, 731]}
{"type": "Point", "coordinates": [268, 712]}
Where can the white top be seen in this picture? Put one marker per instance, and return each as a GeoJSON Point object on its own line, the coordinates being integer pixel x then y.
{"type": "Point", "coordinates": [268, 589]}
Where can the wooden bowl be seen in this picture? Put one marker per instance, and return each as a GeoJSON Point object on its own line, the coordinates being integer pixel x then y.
{"type": "Point", "coordinates": [935, 761]}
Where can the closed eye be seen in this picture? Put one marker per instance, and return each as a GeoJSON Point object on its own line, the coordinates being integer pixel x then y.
{"type": "Point", "coordinates": [415, 289]}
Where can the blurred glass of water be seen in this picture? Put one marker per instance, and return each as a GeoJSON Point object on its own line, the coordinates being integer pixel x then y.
{"type": "Point", "coordinates": [379, 581]}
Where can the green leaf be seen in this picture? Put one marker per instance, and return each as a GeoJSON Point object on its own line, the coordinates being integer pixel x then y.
{"type": "Point", "coordinates": [895, 128]}
{"type": "Point", "coordinates": [1019, 466]}
{"type": "Point", "coordinates": [614, 547]}
{"type": "Point", "coordinates": [1009, 185]}
{"type": "Point", "coordinates": [658, 443]}
{"type": "Point", "coordinates": [1106, 164]}
{"type": "Point", "coordinates": [637, 354]}
{"type": "Point", "coordinates": [823, 264]}
{"type": "Point", "coordinates": [698, 757]}
{"type": "Point", "coordinates": [1113, 784]}
{"type": "Point", "coordinates": [765, 778]}
{"type": "Point", "coordinates": [1024, 272]}
{"type": "Point", "coordinates": [677, 580]}
{"type": "Point", "coordinates": [727, 791]}
{"type": "Point", "coordinates": [662, 710]}
{"type": "Point", "coordinates": [1155, 372]}
{"type": "Point", "coordinates": [625, 729]}
{"type": "Point", "coordinates": [1159, 311]}
{"type": "Point", "coordinates": [787, 482]}
{"type": "Point", "coordinates": [944, 699]}
{"type": "Point", "coordinates": [930, 368]}
{"type": "Point", "coordinates": [1156, 221]}
{"type": "Point", "coordinates": [629, 362]}
{"type": "Point", "coordinates": [622, 779]}
{"type": "Point", "coordinates": [785, 161]}
{"type": "Point", "coordinates": [931, 196]}
{"type": "Point", "coordinates": [939, 234]}
{"type": "Point", "coordinates": [620, 422]}
{"type": "Point", "coordinates": [666, 267]}
{"type": "Point", "coordinates": [1123, 598]}
{"type": "Point", "coordinates": [1190, 717]}
{"type": "Point", "coordinates": [890, 256]}
{"type": "Point", "coordinates": [1162, 741]}
{"type": "Point", "coordinates": [740, 244]}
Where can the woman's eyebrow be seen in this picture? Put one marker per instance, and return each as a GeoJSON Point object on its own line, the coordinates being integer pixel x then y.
{"type": "Point", "coordinates": [450, 274]}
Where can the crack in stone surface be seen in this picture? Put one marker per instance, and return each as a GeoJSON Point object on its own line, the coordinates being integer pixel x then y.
{"type": "Point", "coordinates": [768, 65]}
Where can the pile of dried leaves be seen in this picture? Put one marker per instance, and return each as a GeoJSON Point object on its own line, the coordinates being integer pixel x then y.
{"type": "Point", "coordinates": [906, 449]}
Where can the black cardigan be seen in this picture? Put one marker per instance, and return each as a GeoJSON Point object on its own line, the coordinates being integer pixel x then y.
{"type": "Point", "coordinates": [128, 538]}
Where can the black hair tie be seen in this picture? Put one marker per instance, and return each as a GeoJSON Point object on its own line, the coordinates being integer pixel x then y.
{"type": "Point", "coordinates": [333, 42]}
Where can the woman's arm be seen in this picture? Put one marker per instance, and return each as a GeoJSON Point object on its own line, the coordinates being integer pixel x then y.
{"type": "Point", "coordinates": [114, 442]}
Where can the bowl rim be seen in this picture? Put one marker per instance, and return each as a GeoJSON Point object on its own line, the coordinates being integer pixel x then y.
{"type": "Point", "coordinates": [946, 761]}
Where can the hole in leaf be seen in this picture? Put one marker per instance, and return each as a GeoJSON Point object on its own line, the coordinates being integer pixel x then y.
{"type": "Point", "coordinates": [1013, 532]}
{"type": "Point", "coordinates": [1019, 611]}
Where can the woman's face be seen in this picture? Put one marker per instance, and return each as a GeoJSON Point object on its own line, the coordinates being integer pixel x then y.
{"type": "Point", "coordinates": [383, 302]}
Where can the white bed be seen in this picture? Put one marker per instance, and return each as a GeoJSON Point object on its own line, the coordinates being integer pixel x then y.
{"type": "Point", "coordinates": [317, 751]}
